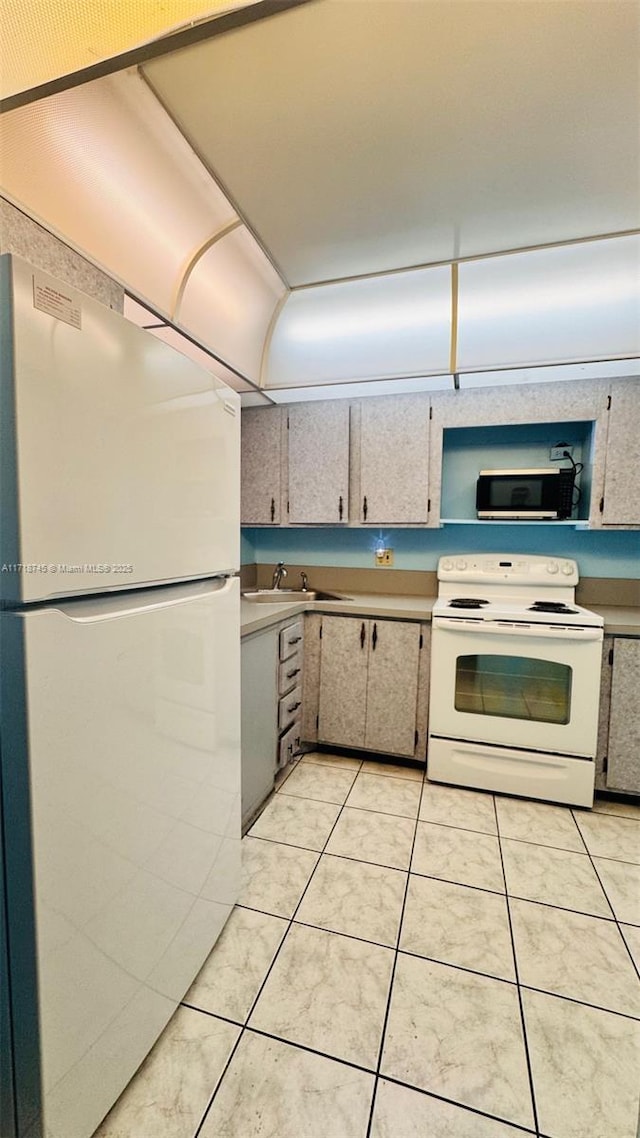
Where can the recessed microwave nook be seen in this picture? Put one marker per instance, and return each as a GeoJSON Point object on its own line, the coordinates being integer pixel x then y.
{"type": "Point", "coordinates": [515, 465]}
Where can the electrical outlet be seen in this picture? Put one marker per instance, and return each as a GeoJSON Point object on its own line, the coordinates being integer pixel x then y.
{"type": "Point", "coordinates": [557, 453]}
{"type": "Point", "coordinates": [384, 557]}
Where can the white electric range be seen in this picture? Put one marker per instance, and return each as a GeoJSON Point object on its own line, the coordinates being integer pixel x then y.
{"type": "Point", "coordinates": [515, 678]}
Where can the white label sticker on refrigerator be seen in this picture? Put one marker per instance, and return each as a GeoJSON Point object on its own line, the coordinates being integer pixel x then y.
{"type": "Point", "coordinates": [56, 302]}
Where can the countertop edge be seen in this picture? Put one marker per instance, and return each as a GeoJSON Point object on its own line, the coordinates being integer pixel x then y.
{"type": "Point", "coordinates": [256, 617]}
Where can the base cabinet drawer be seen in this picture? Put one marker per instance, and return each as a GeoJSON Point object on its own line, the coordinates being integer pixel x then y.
{"type": "Point", "coordinates": [289, 673]}
{"type": "Point", "coordinates": [291, 640]}
{"type": "Point", "coordinates": [289, 744]}
{"type": "Point", "coordinates": [289, 708]}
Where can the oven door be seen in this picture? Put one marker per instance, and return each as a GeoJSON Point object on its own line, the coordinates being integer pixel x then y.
{"type": "Point", "coordinates": [519, 685]}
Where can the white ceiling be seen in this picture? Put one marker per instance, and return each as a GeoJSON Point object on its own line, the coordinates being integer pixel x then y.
{"type": "Point", "coordinates": [361, 136]}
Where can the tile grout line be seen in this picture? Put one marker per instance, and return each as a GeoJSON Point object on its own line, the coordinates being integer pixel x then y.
{"type": "Point", "coordinates": [617, 922]}
{"type": "Point", "coordinates": [515, 1126]}
{"type": "Point", "coordinates": [290, 921]}
{"type": "Point", "coordinates": [392, 978]}
{"type": "Point", "coordinates": [517, 975]}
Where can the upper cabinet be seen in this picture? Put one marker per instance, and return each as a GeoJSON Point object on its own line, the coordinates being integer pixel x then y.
{"type": "Point", "coordinates": [261, 465]}
{"type": "Point", "coordinates": [318, 463]}
{"type": "Point", "coordinates": [413, 459]}
{"type": "Point", "coordinates": [619, 503]}
{"type": "Point", "coordinates": [394, 460]}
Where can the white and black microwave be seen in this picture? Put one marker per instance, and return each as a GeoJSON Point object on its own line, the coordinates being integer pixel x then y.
{"type": "Point", "coordinates": [540, 495]}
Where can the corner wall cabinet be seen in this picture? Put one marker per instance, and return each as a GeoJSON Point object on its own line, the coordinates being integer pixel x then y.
{"type": "Point", "coordinates": [261, 465]}
{"type": "Point", "coordinates": [370, 685]}
{"type": "Point", "coordinates": [618, 757]}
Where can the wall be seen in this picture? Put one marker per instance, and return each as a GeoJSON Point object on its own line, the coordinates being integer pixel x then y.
{"type": "Point", "coordinates": [598, 554]}
{"type": "Point", "coordinates": [21, 235]}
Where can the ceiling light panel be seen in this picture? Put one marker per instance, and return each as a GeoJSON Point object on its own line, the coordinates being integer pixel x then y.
{"type": "Point", "coordinates": [104, 166]}
{"type": "Point", "coordinates": [577, 302]}
{"type": "Point", "coordinates": [229, 299]}
{"type": "Point", "coordinates": [395, 325]}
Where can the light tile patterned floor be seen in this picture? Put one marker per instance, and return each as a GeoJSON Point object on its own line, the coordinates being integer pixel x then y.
{"type": "Point", "coordinates": [410, 960]}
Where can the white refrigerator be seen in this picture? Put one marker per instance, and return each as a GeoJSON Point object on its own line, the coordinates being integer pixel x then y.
{"type": "Point", "coordinates": [119, 694]}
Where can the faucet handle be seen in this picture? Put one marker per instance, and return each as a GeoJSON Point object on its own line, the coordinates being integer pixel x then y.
{"type": "Point", "coordinates": [305, 582]}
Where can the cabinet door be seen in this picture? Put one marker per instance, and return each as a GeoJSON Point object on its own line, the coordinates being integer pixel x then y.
{"type": "Point", "coordinates": [622, 464]}
{"type": "Point", "coordinates": [319, 462]}
{"type": "Point", "coordinates": [394, 459]}
{"type": "Point", "coordinates": [392, 688]}
{"type": "Point", "coordinates": [623, 771]}
{"type": "Point", "coordinates": [261, 462]}
{"type": "Point", "coordinates": [343, 680]}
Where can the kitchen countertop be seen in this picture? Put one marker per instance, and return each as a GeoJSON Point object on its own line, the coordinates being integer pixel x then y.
{"type": "Point", "coordinates": [618, 621]}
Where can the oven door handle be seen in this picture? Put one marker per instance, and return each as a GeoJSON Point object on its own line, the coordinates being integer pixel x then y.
{"type": "Point", "coordinates": [498, 628]}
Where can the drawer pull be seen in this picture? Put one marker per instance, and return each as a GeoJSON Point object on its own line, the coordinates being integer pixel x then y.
{"type": "Point", "coordinates": [294, 706]}
{"type": "Point", "coordinates": [295, 640]}
{"type": "Point", "coordinates": [290, 675]}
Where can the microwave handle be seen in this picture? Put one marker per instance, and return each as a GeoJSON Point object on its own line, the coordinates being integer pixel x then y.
{"type": "Point", "coordinates": [495, 628]}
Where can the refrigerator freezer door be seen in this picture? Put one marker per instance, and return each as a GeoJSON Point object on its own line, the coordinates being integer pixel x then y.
{"type": "Point", "coordinates": [132, 750]}
{"type": "Point", "coordinates": [124, 468]}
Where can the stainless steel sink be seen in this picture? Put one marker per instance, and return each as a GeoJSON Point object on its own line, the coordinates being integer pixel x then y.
{"type": "Point", "coordinates": [286, 596]}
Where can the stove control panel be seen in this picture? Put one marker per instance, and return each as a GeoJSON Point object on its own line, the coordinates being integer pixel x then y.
{"type": "Point", "coordinates": [515, 569]}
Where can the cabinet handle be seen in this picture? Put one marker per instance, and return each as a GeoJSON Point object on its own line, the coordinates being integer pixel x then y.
{"type": "Point", "coordinates": [362, 635]}
{"type": "Point", "coordinates": [273, 509]}
{"type": "Point", "coordinates": [293, 706]}
{"type": "Point", "coordinates": [364, 508]}
{"type": "Point", "coordinates": [374, 638]}
{"type": "Point", "coordinates": [290, 675]}
{"type": "Point", "coordinates": [340, 507]}
{"type": "Point", "coordinates": [295, 640]}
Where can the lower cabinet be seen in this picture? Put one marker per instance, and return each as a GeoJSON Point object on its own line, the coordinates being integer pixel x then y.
{"type": "Point", "coordinates": [271, 669]}
{"type": "Point", "coordinates": [618, 758]}
{"type": "Point", "coordinates": [259, 725]}
{"type": "Point", "coordinates": [371, 688]}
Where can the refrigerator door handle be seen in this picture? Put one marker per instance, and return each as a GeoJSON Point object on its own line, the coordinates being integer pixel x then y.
{"type": "Point", "coordinates": [110, 606]}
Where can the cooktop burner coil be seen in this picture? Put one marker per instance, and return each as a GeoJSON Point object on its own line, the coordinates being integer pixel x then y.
{"type": "Point", "coordinates": [551, 606]}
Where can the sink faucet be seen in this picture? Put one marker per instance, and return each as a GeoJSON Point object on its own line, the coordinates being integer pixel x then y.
{"type": "Point", "coordinates": [278, 573]}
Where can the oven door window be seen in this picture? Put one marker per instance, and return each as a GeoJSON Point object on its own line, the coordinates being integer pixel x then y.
{"type": "Point", "coordinates": [513, 687]}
